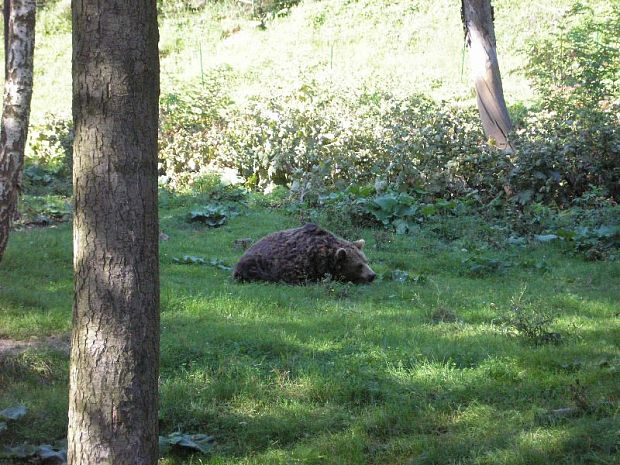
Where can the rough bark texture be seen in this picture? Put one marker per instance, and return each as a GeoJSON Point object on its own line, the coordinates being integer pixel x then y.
{"type": "Point", "coordinates": [115, 341]}
{"type": "Point", "coordinates": [19, 21]}
{"type": "Point", "coordinates": [477, 18]}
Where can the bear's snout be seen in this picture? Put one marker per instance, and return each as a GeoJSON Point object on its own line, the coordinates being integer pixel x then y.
{"type": "Point", "coordinates": [367, 276]}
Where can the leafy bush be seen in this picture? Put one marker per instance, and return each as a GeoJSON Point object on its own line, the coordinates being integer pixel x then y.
{"type": "Point", "coordinates": [316, 141]}
{"type": "Point", "coordinates": [43, 210]}
{"type": "Point", "coordinates": [190, 126]}
{"type": "Point", "coordinates": [268, 9]}
{"type": "Point", "coordinates": [588, 228]}
{"type": "Point", "coordinates": [49, 156]}
{"type": "Point", "coordinates": [51, 144]}
{"type": "Point", "coordinates": [171, 7]}
{"type": "Point", "coordinates": [574, 142]}
{"type": "Point", "coordinates": [54, 17]}
{"type": "Point", "coordinates": [260, 9]}
{"type": "Point", "coordinates": [212, 216]}
{"type": "Point", "coordinates": [576, 66]}
{"type": "Point", "coordinates": [561, 156]}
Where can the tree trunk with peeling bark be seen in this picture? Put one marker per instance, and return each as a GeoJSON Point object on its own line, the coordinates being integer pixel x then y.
{"type": "Point", "coordinates": [477, 16]}
{"type": "Point", "coordinates": [115, 341]}
{"type": "Point", "coordinates": [19, 22]}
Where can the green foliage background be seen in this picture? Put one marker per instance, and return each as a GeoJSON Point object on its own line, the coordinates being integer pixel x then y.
{"type": "Point", "coordinates": [310, 116]}
{"type": "Point", "coordinates": [491, 335]}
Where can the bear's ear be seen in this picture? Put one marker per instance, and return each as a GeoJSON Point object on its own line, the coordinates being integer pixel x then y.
{"type": "Point", "coordinates": [360, 244]}
{"type": "Point", "coordinates": [341, 254]}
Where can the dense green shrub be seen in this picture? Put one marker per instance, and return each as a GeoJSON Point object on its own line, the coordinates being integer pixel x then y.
{"type": "Point", "coordinates": [574, 142]}
{"type": "Point", "coordinates": [49, 156]}
{"type": "Point", "coordinates": [316, 141]}
{"type": "Point", "coordinates": [51, 143]}
{"type": "Point", "coordinates": [560, 157]}
{"type": "Point", "coordinates": [575, 66]}
{"type": "Point", "coordinates": [191, 126]}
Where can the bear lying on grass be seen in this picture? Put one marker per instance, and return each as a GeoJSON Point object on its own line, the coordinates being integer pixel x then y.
{"type": "Point", "coordinates": [304, 254]}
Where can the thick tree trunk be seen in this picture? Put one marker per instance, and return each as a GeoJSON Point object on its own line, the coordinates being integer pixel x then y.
{"type": "Point", "coordinates": [477, 18]}
{"type": "Point", "coordinates": [115, 343]}
{"type": "Point", "coordinates": [19, 19]}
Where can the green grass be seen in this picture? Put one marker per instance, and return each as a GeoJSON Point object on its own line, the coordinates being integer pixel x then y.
{"type": "Point", "coordinates": [334, 373]}
{"type": "Point", "coordinates": [343, 374]}
{"type": "Point", "coordinates": [403, 47]}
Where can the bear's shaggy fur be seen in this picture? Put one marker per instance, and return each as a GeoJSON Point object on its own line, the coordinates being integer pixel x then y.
{"type": "Point", "coordinates": [304, 254]}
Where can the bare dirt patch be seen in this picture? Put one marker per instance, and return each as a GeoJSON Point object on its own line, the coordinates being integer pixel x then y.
{"type": "Point", "coordinates": [12, 346]}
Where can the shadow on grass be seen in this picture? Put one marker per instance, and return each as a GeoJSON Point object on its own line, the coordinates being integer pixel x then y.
{"type": "Point", "coordinates": [38, 379]}
{"type": "Point", "coordinates": [263, 378]}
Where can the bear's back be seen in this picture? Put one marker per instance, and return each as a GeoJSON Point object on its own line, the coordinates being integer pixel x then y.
{"type": "Point", "coordinates": [293, 255]}
{"type": "Point", "coordinates": [291, 241]}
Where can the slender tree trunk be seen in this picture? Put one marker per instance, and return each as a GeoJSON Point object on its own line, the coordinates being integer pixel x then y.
{"type": "Point", "coordinates": [477, 16]}
{"type": "Point", "coordinates": [115, 343]}
{"type": "Point", "coordinates": [19, 20]}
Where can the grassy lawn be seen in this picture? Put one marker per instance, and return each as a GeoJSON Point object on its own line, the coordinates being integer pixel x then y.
{"type": "Point", "coordinates": [470, 348]}
{"type": "Point", "coordinates": [435, 369]}
{"type": "Point", "coordinates": [401, 46]}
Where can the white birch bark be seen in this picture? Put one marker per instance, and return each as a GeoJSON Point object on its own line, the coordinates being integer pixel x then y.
{"type": "Point", "coordinates": [19, 51]}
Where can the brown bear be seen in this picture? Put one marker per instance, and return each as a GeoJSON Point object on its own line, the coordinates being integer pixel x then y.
{"type": "Point", "coordinates": [304, 254]}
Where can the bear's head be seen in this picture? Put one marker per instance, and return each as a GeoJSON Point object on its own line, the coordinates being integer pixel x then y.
{"type": "Point", "coordinates": [352, 264]}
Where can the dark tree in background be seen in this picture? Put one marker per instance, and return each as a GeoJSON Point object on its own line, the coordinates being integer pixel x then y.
{"type": "Point", "coordinates": [115, 342]}
{"type": "Point", "coordinates": [19, 22]}
{"type": "Point", "coordinates": [477, 16]}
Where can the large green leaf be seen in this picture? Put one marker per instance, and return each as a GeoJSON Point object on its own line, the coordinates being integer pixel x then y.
{"type": "Point", "coordinates": [428, 210]}
{"type": "Point", "coordinates": [545, 237]}
{"type": "Point", "coordinates": [607, 231]}
{"type": "Point", "coordinates": [198, 442]}
{"type": "Point", "coordinates": [211, 215]}
{"type": "Point", "coordinates": [189, 260]}
{"type": "Point", "coordinates": [387, 203]}
{"type": "Point", "coordinates": [13, 413]}
{"type": "Point", "coordinates": [51, 454]}
{"type": "Point", "coordinates": [19, 452]}
{"type": "Point", "coordinates": [401, 226]}
{"type": "Point", "coordinates": [218, 263]}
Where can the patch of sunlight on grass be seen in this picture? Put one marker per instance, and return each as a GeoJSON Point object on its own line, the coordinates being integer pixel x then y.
{"type": "Point", "coordinates": [332, 373]}
{"type": "Point", "coordinates": [22, 322]}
